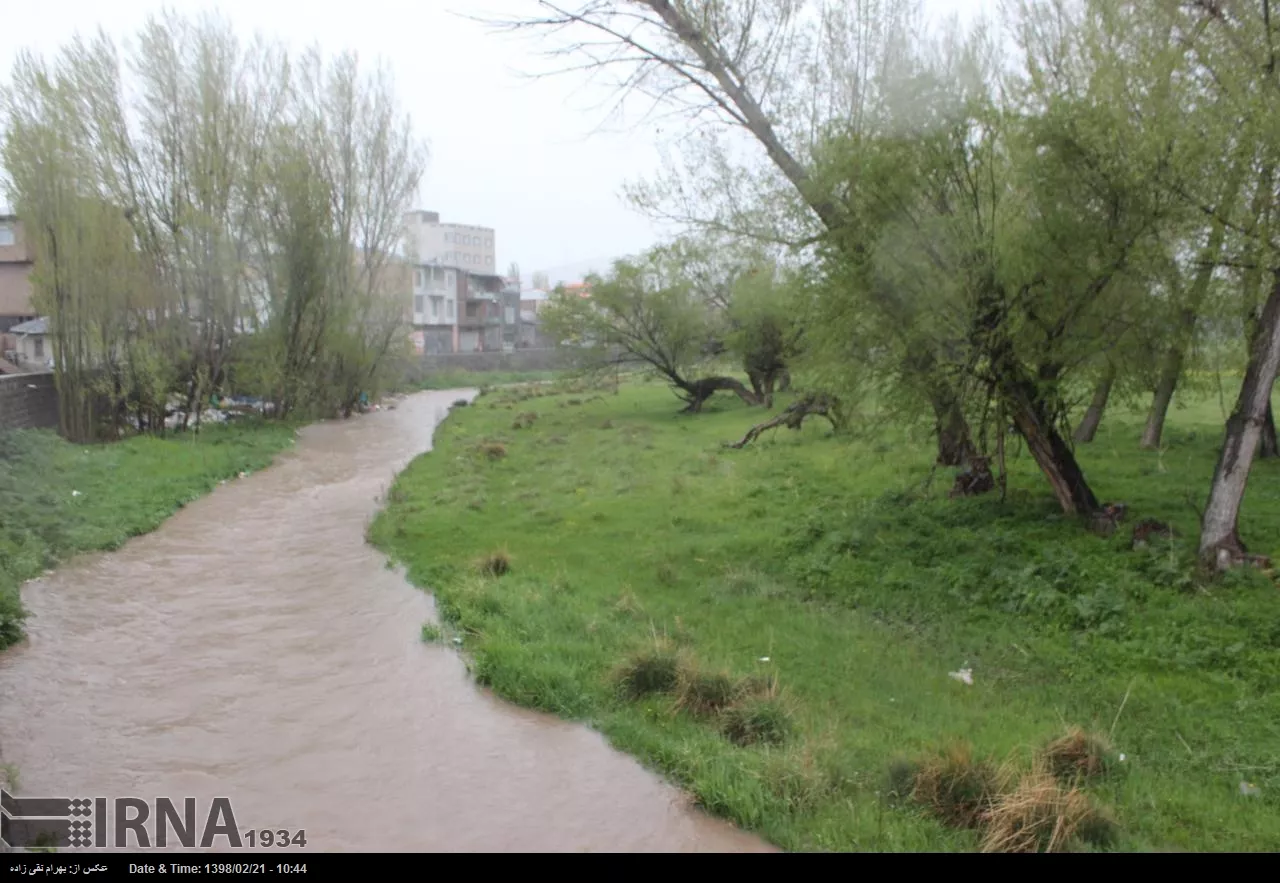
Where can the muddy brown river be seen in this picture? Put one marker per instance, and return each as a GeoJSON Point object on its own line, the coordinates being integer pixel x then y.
{"type": "Point", "coordinates": [254, 647]}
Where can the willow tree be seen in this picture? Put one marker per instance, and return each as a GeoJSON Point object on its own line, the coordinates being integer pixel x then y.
{"type": "Point", "coordinates": [1233, 46]}
{"type": "Point", "coordinates": [783, 72]}
{"type": "Point", "coordinates": [206, 191]}
{"type": "Point", "coordinates": [72, 233]}
{"type": "Point", "coordinates": [647, 311]}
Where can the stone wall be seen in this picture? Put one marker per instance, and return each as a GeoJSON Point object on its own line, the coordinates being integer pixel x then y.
{"type": "Point", "coordinates": [28, 401]}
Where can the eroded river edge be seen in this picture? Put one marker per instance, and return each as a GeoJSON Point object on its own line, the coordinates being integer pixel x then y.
{"type": "Point", "coordinates": [254, 647]}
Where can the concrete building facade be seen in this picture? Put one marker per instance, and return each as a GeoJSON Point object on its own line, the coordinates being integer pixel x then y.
{"type": "Point", "coordinates": [466, 246]}
{"type": "Point", "coordinates": [15, 283]}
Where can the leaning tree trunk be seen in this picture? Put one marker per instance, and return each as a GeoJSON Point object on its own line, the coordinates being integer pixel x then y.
{"type": "Point", "coordinates": [698, 391]}
{"type": "Point", "coordinates": [1088, 427]}
{"type": "Point", "coordinates": [1220, 544]}
{"type": "Point", "coordinates": [1026, 407]}
{"type": "Point", "coordinates": [1160, 400]}
{"type": "Point", "coordinates": [1053, 455]}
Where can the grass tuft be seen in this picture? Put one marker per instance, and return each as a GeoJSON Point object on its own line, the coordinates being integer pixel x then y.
{"type": "Point", "coordinates": [1039, 814]}
{"type": "Point", "coordinates": [953, 785]}
{"type": "Point", "coordinates": [757, 720]}
{"type": "Point", "coordinates": [655, 669]}
{"type": "Point", "coordinates": [492, 450]}
{"type": "Point", "coordinates": [706, 693]}
{"type": "Point", "coordinates": [495, 564]}
{"type": "Point", "coordinates": [1078, 756]}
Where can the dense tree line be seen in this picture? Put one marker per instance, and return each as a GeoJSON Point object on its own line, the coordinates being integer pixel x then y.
{"type": "Point", "coordinates": [991, 238]}
{"type": "Point", "coordinates": [209, 216]}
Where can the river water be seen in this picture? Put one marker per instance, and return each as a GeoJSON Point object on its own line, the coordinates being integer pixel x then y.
{"type": "Point", "coordinates": [255, 648]}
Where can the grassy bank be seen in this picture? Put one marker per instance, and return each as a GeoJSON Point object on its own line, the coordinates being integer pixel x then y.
{"type": "Point", "coordinates": [462, 379]}
{"type": "Point", "coordinates": [57, 499]}
{"type": "Point", "coordinates": [820, 574]}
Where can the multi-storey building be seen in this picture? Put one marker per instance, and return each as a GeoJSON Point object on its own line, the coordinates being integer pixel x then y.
{"type": "Point", "coordinates": [466, 246]}
{"type": "Point", "coordinates": [15, 286]}
{"type": "Point", "coordinates": [460, 304]}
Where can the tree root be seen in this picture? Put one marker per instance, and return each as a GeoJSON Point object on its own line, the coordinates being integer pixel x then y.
{"type": "Point", "coordinates": [974, 479]}
{"type": "Point", "coordinates": [792, 417]}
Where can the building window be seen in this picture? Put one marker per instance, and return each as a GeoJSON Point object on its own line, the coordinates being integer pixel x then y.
{"type": "Point", "coordinates": [450, 308]}
{"type": "Point", "coordinates": [488, 259]}
{"type": "Point", "coordinates": [39, 342]}
{"type": "Point", "coordinates": [418, 279]}
{"type": "Point", "coordinates": [417, 303]}
{"type": "Point", "coordinates": [488, 242]}
{"type": "Point", "coordinates": [6, 235]}
{"type": "Point", "coordinates": [471, 310]}
{"type": "Point", "coordinates": [435, 308]}
{"type": "Point", "coordinates": [448, 279]}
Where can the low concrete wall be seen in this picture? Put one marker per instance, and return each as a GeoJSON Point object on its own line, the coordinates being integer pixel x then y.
{"type": "Point", "coordinates": [28, 401]}
{"type": "Point", "coordinates": [516, 360]}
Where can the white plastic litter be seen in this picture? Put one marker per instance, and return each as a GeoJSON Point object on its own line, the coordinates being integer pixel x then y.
{"type": "Point", "coordinates": [964, 676]}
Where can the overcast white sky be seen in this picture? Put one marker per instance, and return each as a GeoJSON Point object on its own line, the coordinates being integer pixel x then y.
{"type": "Point", "coordinates": [525, 157]}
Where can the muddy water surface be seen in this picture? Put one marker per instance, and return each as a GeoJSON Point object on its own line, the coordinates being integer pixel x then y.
{"type": "Point", "coordinates": [254, 647]}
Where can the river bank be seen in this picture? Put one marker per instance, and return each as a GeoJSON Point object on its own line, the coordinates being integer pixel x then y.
{"type": "Point", "coordinates": [255, 647]}
{"type": "Point", "coordinates": [59, 499]}
{"type": "Point", "coordinates": [601, 558]}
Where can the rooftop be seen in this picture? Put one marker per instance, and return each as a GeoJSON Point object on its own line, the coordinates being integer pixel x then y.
{"type": "Point", "coordinates": [34, 326]}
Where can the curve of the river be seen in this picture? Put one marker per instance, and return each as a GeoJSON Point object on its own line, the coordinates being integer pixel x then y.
{"type": "Point", "coordinates": [254, 647]}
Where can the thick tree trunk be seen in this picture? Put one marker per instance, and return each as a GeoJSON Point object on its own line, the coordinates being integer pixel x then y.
{"type": "Point", "coordinates": [1220, 544]}
{"type": "Point", "coordinates": [1160, 400]}
{"type": "Point", "coordinates": [955, 445]}
{"type": "Point", "coordinates": [1054, 457]}
{"type": "Point", "coordinates": [1022, 401]}
{"type": "Point", "coordinates": [1088, 427]}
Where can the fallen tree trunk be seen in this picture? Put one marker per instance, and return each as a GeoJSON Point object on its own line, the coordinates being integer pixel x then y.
{"type": "Point", "coordinates": [811, 405]}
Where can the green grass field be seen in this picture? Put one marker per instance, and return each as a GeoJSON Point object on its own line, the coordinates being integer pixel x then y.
{"type": "Point", "coordinates": [819, 581]}
{"type": "Point", "coordinates": [57, 499]}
